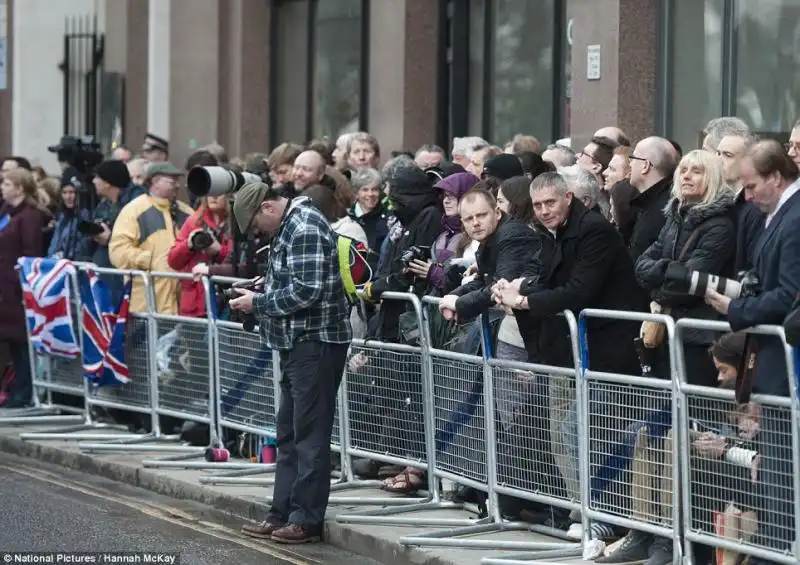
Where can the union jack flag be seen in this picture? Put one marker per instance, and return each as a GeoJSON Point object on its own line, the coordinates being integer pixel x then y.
{"type": "Point", "coordinates": [103, 332]}
{"type": "Point", "coordinates": [47, 295]}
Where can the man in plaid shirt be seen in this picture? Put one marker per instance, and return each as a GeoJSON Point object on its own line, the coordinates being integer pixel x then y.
{"type": "Point", "coordinates": [303, 313]}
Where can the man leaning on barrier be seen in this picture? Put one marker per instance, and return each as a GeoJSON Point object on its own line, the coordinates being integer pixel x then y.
{"type": "Point", "coordinates": [770, 178]}
{"type": "Point", "coordinates": [303, 313]}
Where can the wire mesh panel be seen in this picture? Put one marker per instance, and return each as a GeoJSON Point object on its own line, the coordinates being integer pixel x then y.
{"type": "Point", "coordinates": [246, 383]}
{"type": "Point", "coordinates": [137, 354]}
{"type": "Point", "coordinates": [460, 424]}
{"type": "Point", "coordinates": [384, 400]}
{"type": "Point", "coordinates": [740, 453]}
{"type": "Point", "coordinates": [536, 443]}
{"type": "Point", "coordinates": [68, 373]}
{"type": "Point", "coordinates": [630, 451]}
{"type": "Point", "coordinates": [740, 471]}
{"type": "Point", "coordinates": [183, 358]}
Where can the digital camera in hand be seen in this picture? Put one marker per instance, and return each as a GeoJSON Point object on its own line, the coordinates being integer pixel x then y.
{"type": "Point", "coordinates": [696, 283]}
{"type": "Point", "coordinates": [200, 239]}
{"type": "Point", "coordinates": [248, 320]}
{"type": "Point", "coordinates": [415, 253]}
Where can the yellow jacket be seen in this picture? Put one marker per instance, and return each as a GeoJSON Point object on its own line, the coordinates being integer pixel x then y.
{"type": "Point", "coordinates": [142, 237]}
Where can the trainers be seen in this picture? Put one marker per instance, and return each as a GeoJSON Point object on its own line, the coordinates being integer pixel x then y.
{"type": "Point", "coordinates": [294, 534]}
{"type": "Point", "coordinates": [263, 530]}
{"type": "Point", "coordinates": [660, 552]}
{"type": "Point", "coordinates": [601, 531]}
{"type": "Point", "coordinates": [633, 549]}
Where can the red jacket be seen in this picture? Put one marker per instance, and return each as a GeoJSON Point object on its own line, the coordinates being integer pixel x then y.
{"type": "Point", "coordinates": [181, 258]}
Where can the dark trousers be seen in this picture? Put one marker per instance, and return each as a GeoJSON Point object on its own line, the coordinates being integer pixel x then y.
{"type": "Point", "coordinates": [23, 384]}
{"type": "Point", "coordinates": [310, 375]}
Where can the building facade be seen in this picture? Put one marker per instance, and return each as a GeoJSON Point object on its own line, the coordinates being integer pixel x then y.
{"type": "Point", "coordinates": [251, 73]}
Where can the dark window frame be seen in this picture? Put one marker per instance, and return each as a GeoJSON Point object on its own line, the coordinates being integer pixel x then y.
{"type": "Point", "coordinates": [310, 62]}
{"type": "Point", "coordinates": [455, 19]}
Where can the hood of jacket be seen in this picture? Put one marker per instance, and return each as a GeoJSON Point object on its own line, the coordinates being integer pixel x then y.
{"type": "Point", "coordinates": [411, 191]}
{"type": "Point", "coordinates": [457, 184]}
{"type": "Point", "coordinates": [695, 215]}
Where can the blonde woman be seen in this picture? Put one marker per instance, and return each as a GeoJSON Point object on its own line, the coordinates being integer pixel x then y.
{"type": "Point", "coordinates": [22, 235]}
{"type": "Point", "coordinates": [698, 235]}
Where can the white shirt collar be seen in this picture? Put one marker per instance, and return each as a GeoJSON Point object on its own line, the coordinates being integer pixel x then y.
{"type": "Point", "coordinates": [787, 194]}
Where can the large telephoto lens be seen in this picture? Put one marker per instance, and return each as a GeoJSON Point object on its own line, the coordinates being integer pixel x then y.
{"type": "Point", "coordinates": [216, 181]}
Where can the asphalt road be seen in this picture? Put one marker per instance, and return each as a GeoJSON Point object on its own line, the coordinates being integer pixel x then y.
{"type": "Point", "coordinates": [50, 509]}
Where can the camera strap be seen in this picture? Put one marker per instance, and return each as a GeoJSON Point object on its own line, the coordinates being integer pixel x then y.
{"type": "Point", "coordinates": [746, 370]}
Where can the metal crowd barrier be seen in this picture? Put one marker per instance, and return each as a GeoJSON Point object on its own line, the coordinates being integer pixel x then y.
{"type": "Point", "coordinates": [751, 486]}
{"type": "Point", "coordinates": [141, 395]}
{"type": "Point", "coordinates": [58, 375]}
{"type": "Point", "coordinates": [625, 445]}
{"type": "Point", "coordinates": [627, 419]}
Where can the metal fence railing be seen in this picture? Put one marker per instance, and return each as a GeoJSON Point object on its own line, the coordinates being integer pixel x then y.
{"type": "Point", "coordinates": [678, 461]}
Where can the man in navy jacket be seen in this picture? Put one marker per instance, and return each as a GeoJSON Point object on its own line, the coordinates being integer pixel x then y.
{"type": "Point", "coordinates": [770, 178]}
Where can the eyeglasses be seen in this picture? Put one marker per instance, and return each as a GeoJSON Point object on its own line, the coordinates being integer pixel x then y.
{"type": "Point", "coordinates": [792, 145]}
{"type": "Point", "coordinates": [585, 154]}
{"type": "Point", "coordinates": [635, 158]}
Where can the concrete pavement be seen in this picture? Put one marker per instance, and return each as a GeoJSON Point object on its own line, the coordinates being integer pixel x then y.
{"type": "Point", "coordinates": [235, 504]}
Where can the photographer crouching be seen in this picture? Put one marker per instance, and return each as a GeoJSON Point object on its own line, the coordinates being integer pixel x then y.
{"type": "Point", "coordinates": [303, 313]}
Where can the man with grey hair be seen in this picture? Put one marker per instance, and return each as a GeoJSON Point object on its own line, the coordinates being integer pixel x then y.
{"type": "Point", "coordinates": [429, 156]}
{"type": "Point", "coordinates": [583, 186]}
{"type": "Point", "coordinates": [559, 155]}
{"type": "Point", "coordinates": [340, 151]}
{"type": "Point", "coordinates": [718, 128]}
{"type": "Point", "coordinates": [653, 163]}
{"type": "Point", "coordinates": [465, 147]}
{"type": "Point", "coordinates": [748, 218]}
{"type": "Point", "coordinates": [218, 151]}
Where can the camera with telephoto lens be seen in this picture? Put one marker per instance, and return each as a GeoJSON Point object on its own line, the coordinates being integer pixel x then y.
{"type": "Point", "coordinates": [415, 253]}
{"type": "Point", "coordinates": [217, 181]}
{"type": "Point", "coordinates": [248, 321]}
{"type": "Point", "coordinates": [200, 240]}
{"type": "Point", "coordinates": [696, 283]}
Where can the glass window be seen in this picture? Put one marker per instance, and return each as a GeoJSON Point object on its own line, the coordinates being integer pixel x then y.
{"type": "Point", "coordinates": [768, 64]}
{"type": "Point", "coordinates": [337, 67]}
{"type": "Point", "coordinates": [697, 29]}
{"type": "Point", "coordinates": [291, 76]}
{"type": "Point", "coordinates": [522, 69]}
{"type": "Point", "coordinates": [477, 66]}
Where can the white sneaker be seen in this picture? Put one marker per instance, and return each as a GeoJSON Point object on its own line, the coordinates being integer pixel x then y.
{"type": "Point", "coordinates": [575, 531]}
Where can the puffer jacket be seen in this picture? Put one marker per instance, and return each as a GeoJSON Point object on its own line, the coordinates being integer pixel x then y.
{"type": "Point", "coordinates": [416, 207]}
{"type": "Point", "coordinates": [712, 252]}
{"type": "Point", "coordinates": [182, 258]}
{"type": "Point", "coordinates": [143, 234]}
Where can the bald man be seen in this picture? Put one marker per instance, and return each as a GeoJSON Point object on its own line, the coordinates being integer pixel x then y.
{"type": "Point", "coordinates": [653, 162]}
{"type": "Point", "coordinates": [615, 134]}
{"type": "Point", "coordinates": [309, 168]}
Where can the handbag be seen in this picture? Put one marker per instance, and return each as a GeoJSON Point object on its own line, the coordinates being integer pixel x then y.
{"type": "Point", "coordinates": [652, 333]}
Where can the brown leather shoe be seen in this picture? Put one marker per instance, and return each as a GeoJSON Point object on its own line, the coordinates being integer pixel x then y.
{"type": "Point", "coordinates": [262, 530]}
{"type": "Point", "coordinates": [294, 534]}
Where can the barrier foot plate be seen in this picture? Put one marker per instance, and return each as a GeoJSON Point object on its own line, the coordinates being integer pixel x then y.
{"type": "Point", "coordinates": [149, 443]}
{"type": "Point", "coordinates": [460, 538]}
{"type": "Point", "coordinates": [254, 469]}
{"type": "Point", "coordinates": [85, 432]}
{"type": "Point", "coordinates": [394, 516]}
{"type": "Point", "coordinates": [539, 557]}
{"type": "Point", "coordinates": [190, 461]}
{"type": "Point", "coordinates": [12, 417]}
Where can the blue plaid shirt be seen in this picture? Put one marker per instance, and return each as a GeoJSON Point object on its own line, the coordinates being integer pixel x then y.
{"type": "Point", "coordinates": [304, 298]}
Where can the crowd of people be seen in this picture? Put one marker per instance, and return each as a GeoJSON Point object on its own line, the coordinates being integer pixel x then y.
{"type": "Point", "coordinates": [518, 233]}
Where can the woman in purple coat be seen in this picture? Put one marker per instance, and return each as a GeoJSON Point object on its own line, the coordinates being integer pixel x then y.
{"type": "Point", "coordinates": [21, 235]}
{"type": "Point", "coordinates": [446, 246]}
